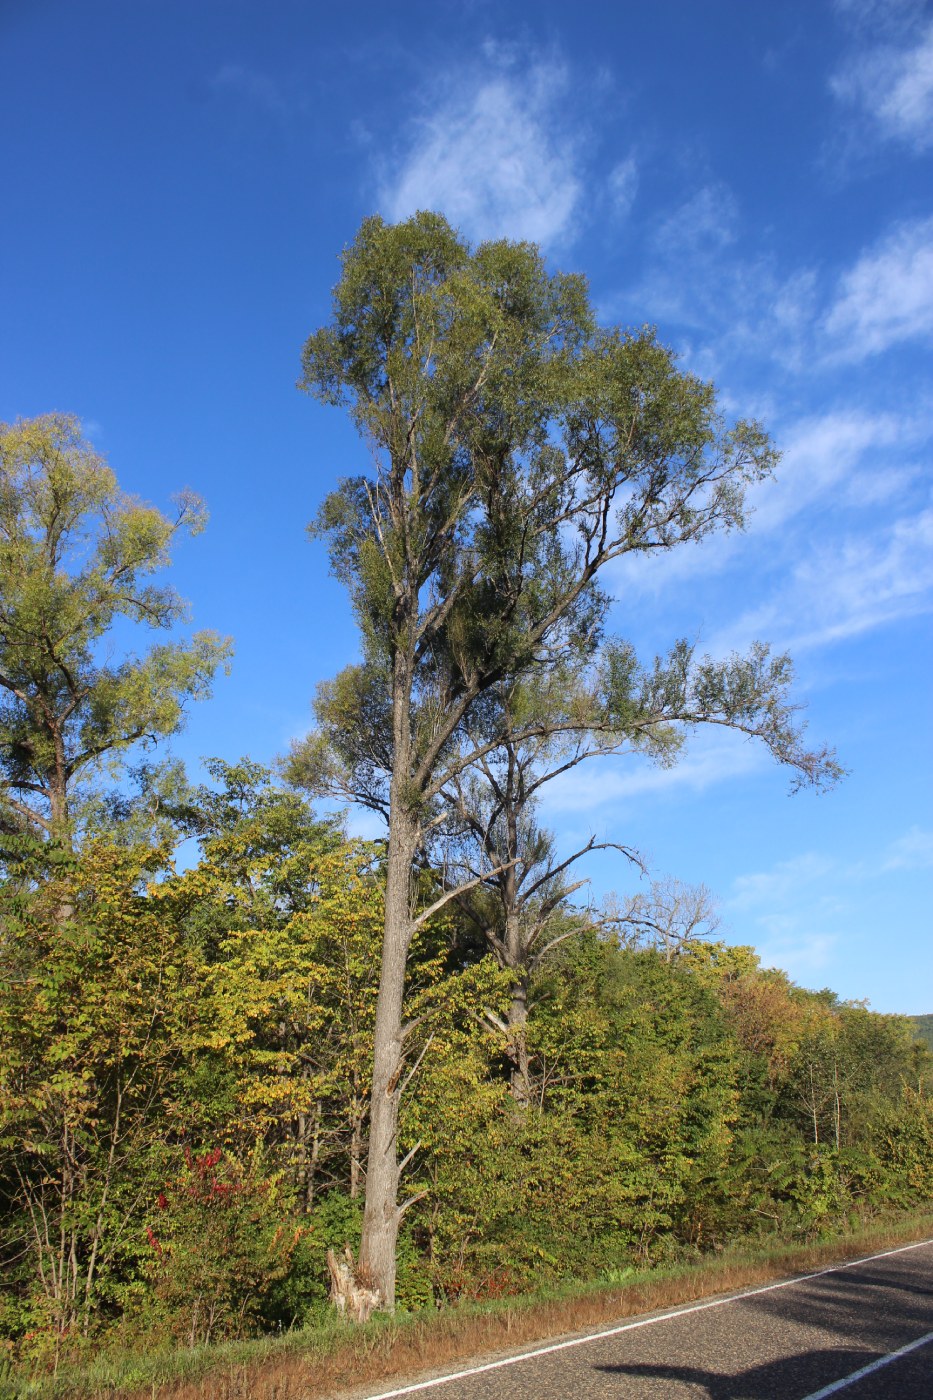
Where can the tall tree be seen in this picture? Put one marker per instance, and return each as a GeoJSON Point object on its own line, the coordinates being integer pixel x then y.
{"type": "Point", "coordinates": [517, 449]}
{"type": "Point", "coordinates": [76, 555]}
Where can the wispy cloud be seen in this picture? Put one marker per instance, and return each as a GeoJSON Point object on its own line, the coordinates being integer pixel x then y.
{"type": "Point", "coordinates": [704, 222]}
{"type": "Point", "coordinates": [893, 85]}
{"type": "Point", "coordinates": [745, 310]}
{"type": "Point", "coordinates": [492, 149]}
{"type": "Point", "coordinates": [799, 910]}
{"type": "Point", "coordinates": [887, 297]}
{"type": "Point", "coordinates": [790, 911]}
{"type": "Point", "coordinates": [693, 276]}
{"type": "Point", "coordinates": [623, 186]}
{"type": "Point", "coordinates": [847, 456]}
{"type": "Point", "coordinates": [784, 881]}
{"type": "Point", "coordinates": [711, 757]}
{"type": "Point", "coordinates": [802, 955]}
{"type": "Point", "coordinates": [844, 589]}
{"type": "Point", "coordinates": [822, 454]}
{"type": "Point", "coordinates": [258, 89]}
{"type": "Point", "coordinates": [912, 851]}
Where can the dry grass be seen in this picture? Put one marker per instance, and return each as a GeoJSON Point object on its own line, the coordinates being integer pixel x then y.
{"type": "Point", "coordinates": [337, 1361]}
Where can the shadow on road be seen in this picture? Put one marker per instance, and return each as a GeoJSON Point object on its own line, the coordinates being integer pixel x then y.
{"type": "Point", "coordinates": [791, 1375]}
{"type": "Point", "coordinates": [881, 1310]}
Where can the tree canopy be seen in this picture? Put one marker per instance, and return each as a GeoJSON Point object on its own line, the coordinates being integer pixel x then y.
{"type": "Point", "coordinates": [77, 555]}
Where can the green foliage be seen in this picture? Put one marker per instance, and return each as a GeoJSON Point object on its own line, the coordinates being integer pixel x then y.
{"type": "Point", "coordinates": [498, 413]}
{"type": "Point", "coordinates": [76, 555]}
{"type": "Point", "coordinates": [189, 1055]}
{"type": "Point", "coordinates": [516, 450]}
{"type": "Point", "coordinates": [186, 1056]}
{"type": "Point", "coordinates": [92, 1017]}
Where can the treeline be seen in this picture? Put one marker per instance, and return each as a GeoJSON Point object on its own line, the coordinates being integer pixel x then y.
{"type": "Point", "coordinates": [185, 1065]}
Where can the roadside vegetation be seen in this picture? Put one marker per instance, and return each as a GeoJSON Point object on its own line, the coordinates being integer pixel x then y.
{"type": "Point", "coordinates": [331, 1357]}
{"type": "Point", "coordinates": [184, 1072]}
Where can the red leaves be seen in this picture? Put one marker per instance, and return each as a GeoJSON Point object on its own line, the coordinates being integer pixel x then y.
{"type": "Point", "coordinates": [154, 1241]}
{"type": "Point", "coordinates": [205, 1164]}
{"type": "Point", "coordinates": [200, 1182]}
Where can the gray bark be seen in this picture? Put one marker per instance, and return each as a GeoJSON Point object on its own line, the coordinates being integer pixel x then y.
{"type": "Point", "coordinates": [382, 1213]}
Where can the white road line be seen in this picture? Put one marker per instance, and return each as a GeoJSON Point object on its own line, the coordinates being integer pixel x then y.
{"type": "Point", "coordinates": [647, 1322]}
{"type": "Point", "coordinates": [868, 1370]}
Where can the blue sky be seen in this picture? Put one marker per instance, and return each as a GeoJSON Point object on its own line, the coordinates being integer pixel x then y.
{"type": "Point", "coordinates": [754, 179]}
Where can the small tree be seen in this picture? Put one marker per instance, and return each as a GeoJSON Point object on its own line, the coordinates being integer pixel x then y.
{"type": "Point", "coordinates": [75, 554]}
{"type": "Point", "coordinates": [517, 449]}
{"type": "Point", "coordinates": [612, 706]}
{"type": "Point", "coordinates": [670, 917]}
{"type": "Point", "coordinates": [94, 1012]}
{"type": "Point", "coordinates": [520, 907]}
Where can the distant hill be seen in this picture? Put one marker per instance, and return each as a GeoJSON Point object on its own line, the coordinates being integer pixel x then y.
{"type": "Point", "coordinates": [924, 1026]}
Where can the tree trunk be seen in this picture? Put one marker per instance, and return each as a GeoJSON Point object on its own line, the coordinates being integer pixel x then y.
{"type": "Point", "coordinates": [309, 1131]}
{"type": "Point", "coordinates": [60, 830]}
{"type": "Point", "coordinates": [356, 1149]}
{"type": "Point", "coordinates": [381, 1213]}
{"type": "Point", "coordinates": [516, 959]}
{"type": "Point", "coordinates": [837, 1107]}
{"type": "Point", "coordinates": [518, 1045]}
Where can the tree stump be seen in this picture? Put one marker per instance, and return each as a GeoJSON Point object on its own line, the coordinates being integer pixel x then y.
{"type": "Point", "coordinates": [349, 1294]}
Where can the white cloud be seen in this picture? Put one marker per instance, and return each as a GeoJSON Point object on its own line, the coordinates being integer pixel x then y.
{"type": "Point", "coordinates": [819, 455]}
{"type": "Point", "coordinates": [738, 308]}
{"type": "Point", "coordinates": [711, 757]}
{"type": "Point", "coordinates": [793, 305]}
{"type": "Point", "coordinates": [887, 297]}
{"type": "Point", "coordinates": [493, 152]}
{"type": "Point", "coordinates": [832, 457]}
{"type": "Point", "coordinates": [801, 955]}
{"type": "Point", "coordinates": [799, 910]}
{"type": "Point", "coordinates": [784, 881]}
{"type": "Point", "coordinates": [894, 85]}
{"type": "Point", "coordinates": [789, 912]}
{"type": "Point", "coordinates": [623, 186]}
{"type": "Point", "coordinates": [705, 222]}
{"type": "Point", "coordinates": [912, 851]}
{"type": "Point", "coordinates": [794, 881]}
{"type": "Point", "coordinates": [845, 589]}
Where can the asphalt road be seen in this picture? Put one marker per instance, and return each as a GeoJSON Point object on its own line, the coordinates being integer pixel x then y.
{"type": "Point", "coordinates": [862, 1331]}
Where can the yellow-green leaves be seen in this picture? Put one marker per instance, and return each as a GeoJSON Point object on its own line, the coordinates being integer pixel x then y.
{"type": "Point", "coordinates": [76, 555]}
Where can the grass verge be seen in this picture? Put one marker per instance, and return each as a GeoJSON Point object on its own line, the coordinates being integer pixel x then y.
{"type": "Point", "coordinates": [326, 1361]}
